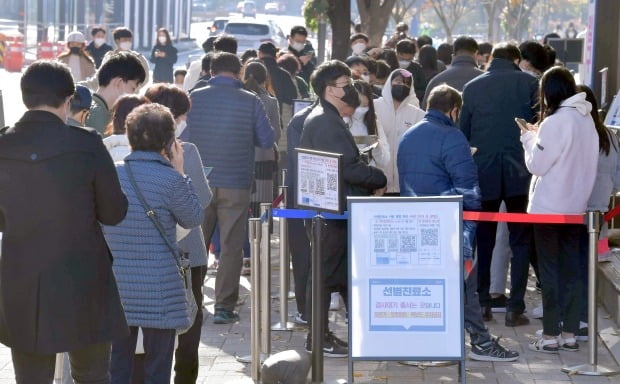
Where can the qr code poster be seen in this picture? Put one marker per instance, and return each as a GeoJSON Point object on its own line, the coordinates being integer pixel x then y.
{"type": "Point", "coordinates": [406, 278]}
{"type": "Point", "coordinates": [319, 183]}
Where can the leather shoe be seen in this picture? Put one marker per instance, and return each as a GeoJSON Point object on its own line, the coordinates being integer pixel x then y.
{"type": "Point", "coordinates": [515, 319]}
{"type": "Point", "coordinates": [487, 315]}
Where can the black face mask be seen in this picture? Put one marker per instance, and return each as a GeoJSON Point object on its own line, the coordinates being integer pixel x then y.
{"type": "Point", "coordinates": [75, 50]}
{"type": "Point", "coordinates": [351, 97]}
{"type": "Point", "coordinates": [400, 92]}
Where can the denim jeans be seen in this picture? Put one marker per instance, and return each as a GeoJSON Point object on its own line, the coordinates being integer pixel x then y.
{"type": "Point", "coordinates": [158, 348]}
{"type": "Point", "coordinates": [88, 365]}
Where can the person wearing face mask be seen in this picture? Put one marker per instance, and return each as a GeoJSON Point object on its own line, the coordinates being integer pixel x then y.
{"type": "Point", "coordinates": [359, 67]}
{"type": "Point", "coordinates": [359, 43]}
{"type": "Point", "coordinates": [364, 123]}
{"type": "Point", "coordinates": [303, 50]}
{"type": "Point", "coordinates": [534, 58]}
{"type": "Point", "coordinates": [405, 51]}
{"type": "Point", "coordinates": [123, 39]}
{"type": "Point", "coordinates": [434, 159]}
{"type": "Point", "coordinates": [164, 56]}
{"type": "Point", "coordinates": [97, 48]}
{"type": "Point", "coordinates": [397, 110]}
{"type": "Point", "coordinates": [120, 73]}
{"type": "Point", "coordinates": [80, 107]}
{"type": "Point", "coordinates": [186, 355]}
{"type": "Point", "coordinates": [77, 58]}
{"type": "Point", "coordinates": [325, 130]}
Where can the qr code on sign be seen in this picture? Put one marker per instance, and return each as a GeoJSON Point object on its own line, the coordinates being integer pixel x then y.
{"type": "Point", "coordinates": [429, 237]}
{"type": "Point", "coordinates": [332, 182]}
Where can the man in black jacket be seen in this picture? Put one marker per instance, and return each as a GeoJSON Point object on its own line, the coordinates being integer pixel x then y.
{"type": "Point", "coordinates": [57, 185]}
{"type": "Point", "coordinates": [325, 130]}
{"type": "Point", "coordinates": [303, 50]}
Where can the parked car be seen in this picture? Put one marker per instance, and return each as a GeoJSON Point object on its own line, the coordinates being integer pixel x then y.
{"type": "Point", "coordinates": [218, 25]}
{"type": "Point", "coordinates": [247, 8]}
{"type": "Point", "coordinates": [250, 34]}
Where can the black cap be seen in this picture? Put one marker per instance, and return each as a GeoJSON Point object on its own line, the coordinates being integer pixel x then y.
{"type": "Point", "coordinates": [268, 49]}
{"type": "Point", "coordinates": [81, 98]}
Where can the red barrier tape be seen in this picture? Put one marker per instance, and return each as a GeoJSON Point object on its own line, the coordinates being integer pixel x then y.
{"type": "Point", "coordinates": [277, 201]}
{"type": "Point", "coordinates": [613, 213]}
{"type": "Point", "coordinates": [529, 218]}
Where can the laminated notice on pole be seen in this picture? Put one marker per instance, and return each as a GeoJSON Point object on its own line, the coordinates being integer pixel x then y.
{"type": "Point", "coordinates": [406, 278]}
{"type": "Point", "coordinates": [319, 181]}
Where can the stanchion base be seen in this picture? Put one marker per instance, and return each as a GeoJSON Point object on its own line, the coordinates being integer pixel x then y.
{"type": "Point", "coordinates": [248, 358]}
{"type": "Point", "coordinates": [291, 295]}
{"type": "Point", "coordinates": [288, 326]}
{"type": "Point", "coordinates": [338, 381]}
{"type": "Point", "coordinates": [428, 364]}
{"type": "Point", "coordinates": [591, 370]}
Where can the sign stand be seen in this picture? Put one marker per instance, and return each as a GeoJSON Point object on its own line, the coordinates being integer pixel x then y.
{"type": "Point", "coordinates": [406, 281]}
{"type": "Point", "coordinates": [319, 187]}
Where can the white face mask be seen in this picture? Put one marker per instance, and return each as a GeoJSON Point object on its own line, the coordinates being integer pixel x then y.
{"type": "Point", "coordinates": [404, 63]}
{"type": "Point", "coordinates": [298, 46]}
{"type": "Point", "coordinates": [180, 128]}
{"type": "Point", "coordinates": [347, 120]}
{"type": "Point", "coordinates": [359, 113]}
{"type": "Point", "coordinates": [162, 40]}
{"type": "Point", "coordinates": [99, 42]}
{"type": "Point", "coordinates": [358, 48]}
{"type": "Point", "coordinates": [125, 45]}
{"type": "Point", "coordinates": [366, 78]}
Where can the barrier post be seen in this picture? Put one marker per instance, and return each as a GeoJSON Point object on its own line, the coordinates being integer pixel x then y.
{"type": "Point", "coordinates": [593, 221]}
{"type": "Point", "coordinates": [285, 268]}
{"type": "Point", "coordinates": [255, 241]}
{"type": "Point", "coordinates": [59, 367]}
{"type": "Point", "coordinates": [1, 110]}
{"type": "Point", "coordinates": [317, 331]}
{"type": "Point", "coordinates": [265, 279]}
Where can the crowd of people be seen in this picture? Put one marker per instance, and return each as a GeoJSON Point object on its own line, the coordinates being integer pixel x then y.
{"type": "Point", "coordinates": [138, 184]}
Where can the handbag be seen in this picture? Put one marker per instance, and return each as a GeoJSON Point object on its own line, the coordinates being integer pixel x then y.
{"type": "Point", "coordinates": [181, 259]}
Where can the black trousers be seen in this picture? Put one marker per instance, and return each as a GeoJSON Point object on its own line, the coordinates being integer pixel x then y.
{"type": "Point", "coordinates": [299, 245]}
{"type": "Point", "coordinates": [559, 262]}
{"type": "Point", "coordinates": [88, 365]}
{"type": "Point", "coordinates": [521, 244]}
{"type": "Point", "coordinates": [335, 267]}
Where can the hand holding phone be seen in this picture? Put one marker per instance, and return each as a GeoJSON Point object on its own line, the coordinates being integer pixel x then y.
{"type": "Point", "coordinates": [522, 124]}
{"type": "Point", "coordinates": [176, 156]}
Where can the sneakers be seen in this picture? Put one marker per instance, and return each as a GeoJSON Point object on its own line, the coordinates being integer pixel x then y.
{"type": "Point", "coordinates": [223, 316]}
{"type": "Point", "coordinates": [299, 319]}
{"type": "Point", "coordinates": [498, 304]}
{"type": "Point", "coordinates": [492, 351]}
{"type": "Point", "coordinates": [537, 313]}
{"type": "Point", "coordinates": [332, 346]}
{"type": "Point", "coordinates": [246, 267]}
{"type": "Point", "coordinates": [582, 333]}
{"type": "Point", "coordinates": [336, 302]}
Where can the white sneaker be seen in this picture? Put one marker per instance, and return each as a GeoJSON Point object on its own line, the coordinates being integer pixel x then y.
{"type": "Point", "coordinates": [537, 313]}
{"type": "Point", "coordinates": [336, 302]}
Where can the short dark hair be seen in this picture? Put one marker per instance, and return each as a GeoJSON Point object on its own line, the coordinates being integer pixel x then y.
{"type": "Point", "coordinates": [424, 40]}
{"type": "Point", "coordinates": [535, 53]}
{"type": "Point", "coordinates": [465, 44]}
{"type": "Point", "coordinates": [225, 43]}
{"type": "Point", "coordinates": [207, 45]}
{"type": "Point", "coordinates": [383, 69]}
{"type": "Point", "coordinates": [169, 96]}
{"type": "Point", "coordinates": [150, 127]}
{"type": "Point", "coordinates": [180, 72]}
{"type": "Point", "coordinates": [121, 108]}
{"type": "Point", "coordinates": [551, 55]}
{"type": "Point", "coordinates": [248, 54]}
{"type": "Point", "coordinates": [371, 64]}
{"type": "Point", "coordinates": [352, 60]}
{"type": "Point", "coordinates": [96, 30]}
{"type": "Point", "coordinates": [443, 98]}
{"type": "Point", "coordinates": [123, 64]}
{"type": "Point", "coordinates": [326, 73]}
{"type": "Point", "coordinates": [290, 63]}
{"type": "Point", "coordinates": [122, 32]}
{"type": "Point", "coordinates": [357, 36]}
{"type": "Point", "coordinates": [225, 62]}
{"type": "Point", "coordinates": [268, 49]}
{"type": "Point", "coordinates": [205, 63]}
{"type": "Point", "coordinates": [506, 51]}
{"type": "Point", "coordinates": [444, 53]}
{"type": "Point", "coordinates": [299, 30]}
{"type": "Point", "coordinates": [485, 48]}
{"type": "Point", "coordinates": [406, 46]}
{"type": "Point", "coordinates": [46, 83]}
{"type": "Point", "coordinates": [556, 85]}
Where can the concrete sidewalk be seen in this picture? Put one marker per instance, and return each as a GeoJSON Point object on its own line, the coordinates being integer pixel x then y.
{"type": "Point", "coordinates": [221, 344]}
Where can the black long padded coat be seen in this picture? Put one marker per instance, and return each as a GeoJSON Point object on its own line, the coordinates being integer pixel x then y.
{"type": "Point", "coordinates": [57, 290]}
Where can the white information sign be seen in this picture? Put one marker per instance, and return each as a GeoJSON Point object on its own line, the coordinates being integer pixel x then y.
{"type": "Point", "coordinates": [406, 278]}
{"type": "Point", "coordinates": [319, 182]}
{"type": "Point", "coordinates": [612, 119]}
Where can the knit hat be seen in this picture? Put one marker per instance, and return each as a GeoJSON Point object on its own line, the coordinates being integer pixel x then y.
{"type": "Point", "coordinates": [75, 37]}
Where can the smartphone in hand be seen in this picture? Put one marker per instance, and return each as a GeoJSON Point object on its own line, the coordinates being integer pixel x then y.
{"type": "Point", "coordinates": [522, 124]}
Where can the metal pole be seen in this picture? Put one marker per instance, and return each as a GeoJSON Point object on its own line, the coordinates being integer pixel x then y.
{"type": "Point", "coordinates": [255, 239]}
{"type": "Point", "coordinates": [285, 269]}
{"type": "Point", "coordinates": [317, 330]}
{"type": "Point", "coordinates": [1, 110]}
{"type": "Point", "coordinates": [322, 34]}
{"type": "Point", "coordinates": [265, 279]}
{"type": "Point", "coordinates": [593, 221]}
{"type": "Point", "coordinates": [59, 367]}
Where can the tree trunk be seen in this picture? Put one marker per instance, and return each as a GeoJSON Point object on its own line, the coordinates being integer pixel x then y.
{"type": "Point", "coordinates": [493, 12]}
{"type": "Point", "coordinates": [339, 14]}
{"type": "Point", "coordinates": [374, 15]}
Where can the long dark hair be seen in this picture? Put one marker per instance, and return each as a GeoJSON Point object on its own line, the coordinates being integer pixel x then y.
{"type": "Point", "coordinates": [556, 85]}
{"type": "Point", "coordinates": [165, 32]}
{"type": "Point", "coordinates": [605, 138]}
{"type": "Point", "coordinates": [370, 119]}
{"type": "Point", "coordinates": [254, 75]}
